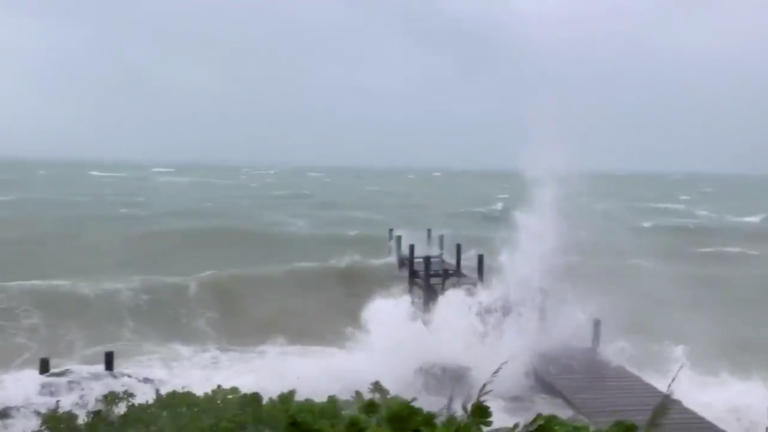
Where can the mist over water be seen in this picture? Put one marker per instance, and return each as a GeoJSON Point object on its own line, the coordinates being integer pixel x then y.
{"type": "Point", "coordinates": [272, 279]}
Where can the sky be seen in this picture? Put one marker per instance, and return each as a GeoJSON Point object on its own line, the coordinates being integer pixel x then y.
{"type": "Point", "coordinates": [602, 84]}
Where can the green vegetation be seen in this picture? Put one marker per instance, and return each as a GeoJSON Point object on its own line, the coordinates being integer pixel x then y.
{"type": "Point", "coordinates": [230, 410]}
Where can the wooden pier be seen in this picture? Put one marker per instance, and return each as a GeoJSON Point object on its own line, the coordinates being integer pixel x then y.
{"type": "Point", "coordinates": [432, 274]}
{"type": "Point", "coordinates": [591, 386]}
{"type": "Point", "coordinates": [603, 393]}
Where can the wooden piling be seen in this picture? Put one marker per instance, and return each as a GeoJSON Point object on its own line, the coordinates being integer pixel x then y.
{"type": "Point", "coordinates": [429, 238]}
{"type": "Point", "coordinates": [45, 365]}
{"type": "Point", "coordinates": [597, 327]}
{"type": "Point", "coordinates": [411, 265]}
{"type": "Point", "coordinates": [398, 249]}
{"type": "Point", "coordinates": [430, 296]}
{"type": "Point", "coordinates": [109, 361]}
{"type": "Point", "coordinates": [390, 233]}
{"type": "Point", "coordinates": [458, 259]}
{"type": "Point", "coordinates": [441, 243]}
{"type": "Point", "coordinates": [481, 267]}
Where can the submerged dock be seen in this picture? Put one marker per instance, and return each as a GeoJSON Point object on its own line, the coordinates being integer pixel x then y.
{"type": "Point", "coordinates": [595, 389]}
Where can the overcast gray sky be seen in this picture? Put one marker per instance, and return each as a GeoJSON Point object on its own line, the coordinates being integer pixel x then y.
{"type": "Point", "coordinates": [652, 84]}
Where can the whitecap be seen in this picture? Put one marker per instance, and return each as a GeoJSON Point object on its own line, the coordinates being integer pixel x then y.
{"type": "Point", "coordinates": [437, 174]}
{"type": "Point", "coordinates": [315, 174]}
{"type": "Point", "coordinates": [411, 176]}
{"type": "Point", "coordinates": [106, 174]}
{"type": "Point", "coordinates": [163, 170]}
{"type": "Point", "coordinates": [7, 198]}
{"type": "Point", "coordinates": [729, 250]}
{"type": "Point", "coordinates": [758, 218]}
{"type": "Point", "coordinates": [502, 196]}
{"type": "Point", "coordinates": [684, 197]}
{"type": "Point", "coordinates": [668, 206]}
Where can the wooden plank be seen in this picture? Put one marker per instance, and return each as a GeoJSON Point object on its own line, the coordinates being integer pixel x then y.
{"type": "Point", "coordinates": [603, 393]}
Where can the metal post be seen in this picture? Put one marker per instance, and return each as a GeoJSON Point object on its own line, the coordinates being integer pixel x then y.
{"type": "Point", "coordinates": [597, 326]}
{"type": "Point", "coordinates": [109, 361]}
{"type": "Point", "coordinates": [458, 259]}
{"type": "Point", "coordinates": [411, 265]}
{"type": "Point", "coordinates": [441, 243]}
{"type": "Point", "coordinates": [44, 366]}
{"type": "Point", "coordinates": [399, 250]}
{"type": "Point", "coordinates": [429, 238]}
{"type": "Point", "coordinates": [481, 267]}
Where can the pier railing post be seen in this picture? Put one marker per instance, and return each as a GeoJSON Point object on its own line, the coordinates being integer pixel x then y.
{"type": "Point", "coordinates": [480, 268]}
{"type": "Point", "coordinates": [458, 259]}
{"type": "Point", "coordinates": [109, 361]}
{"type": "Point", "coordinates": [441, 243]}
{"type": "Point", "coordinates": [429, 238]}
{"type": "Point", "coordinates": [411, 265]}
{"type": "Point", "coordinates": [399, 250]}
{"type": "Point", "coordinates": [597, 328]}
{"type": "Point", "coordinates": [45, 366]}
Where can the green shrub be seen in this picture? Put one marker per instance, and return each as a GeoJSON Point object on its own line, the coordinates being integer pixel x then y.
{"type": "Point", "coordinates": [230, 410]}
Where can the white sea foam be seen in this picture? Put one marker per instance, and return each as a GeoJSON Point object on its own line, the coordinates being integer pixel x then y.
{"type": "Point", "coordinates": [316, 174]}
{"type": "Point", "coordinates": [163, 170]}
{"type": "Point", "coordinates": [106, 174]}
{"type": "Point", "coordinates": [758, 218]}
{"type": "Point", "coordinates": [502, 196]}
{"type": "Point", "coordinates": [7, 198]}
{"type": "Point", "coordinates": [684, 197]}
{"type": "Point", "coordinates": [737, 404]}
{"type": "Point", "coordinates": [728, 250]}
{"type": "Point", "coordinates": [437, 174]}
{"type": "Point", "coordinates": [668, 206]}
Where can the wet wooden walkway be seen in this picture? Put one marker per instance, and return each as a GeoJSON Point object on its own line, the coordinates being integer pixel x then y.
{"type": "Point", "coordinates": [603, 393]}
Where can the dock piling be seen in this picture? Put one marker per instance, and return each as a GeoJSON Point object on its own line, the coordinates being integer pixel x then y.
{"type": "Point", "coordinates": [597, 327]}
{"type": "Point", "coordinates": [398, 250]}
{"type": "Point", "coordinates": [390, 233]}
{"type": "Point", "coordinates": [109, 361]}
{"type": "Point", "coordinates": [441, 243]}
{"type": "Point", "coordinates": [481, 267]}
{"type": "Point", "coordinates": [44, 366]}
{"type": "Point", "coordinates": [411, 265]}
{"type": "Point", "coordinates": [429, 292]}
{"type": "Point", "coordinates": [458, 259]}
{"type": "Point", "coordinates": [429, 238]}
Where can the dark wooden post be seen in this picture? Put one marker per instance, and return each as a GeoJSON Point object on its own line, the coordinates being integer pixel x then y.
{"type": "Point", "coordinates": [441, 243]}
{"type": "Point", "coordinates": [481, 267]}
{"type": "Point", "coordinates": [458, 259]}
{"type": "Point", "coordinates": [597, 327]}
{"type": "Point", "coordinates": [430, 296]}
{"type": "Point", "coordinates": [429, 238]}
{"type": "Point", "coordinates": [390, 233]}
{"type": "Point", "coordinates": [399, 250]}
{"type": "Point", "coordinates": [44, 366]}
{"type": "Point", "coordinates": [109, 361]}
{"type": "Point", "coordinates": [411, 265]}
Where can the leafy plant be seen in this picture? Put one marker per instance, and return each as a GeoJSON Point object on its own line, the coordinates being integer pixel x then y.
{"type": "Point", "coordinates": [230, 410]}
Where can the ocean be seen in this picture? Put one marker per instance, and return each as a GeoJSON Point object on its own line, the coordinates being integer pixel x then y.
{"type": "Point", "coordinates": [272, 278]}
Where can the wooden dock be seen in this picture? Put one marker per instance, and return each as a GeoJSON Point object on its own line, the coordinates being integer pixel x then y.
{"type": "Point", "coordinates": [603, 393]}
{"type": "Point", "coordinates": [597, 390]}
{"type": "Point", "coordinates": [432, 274]}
